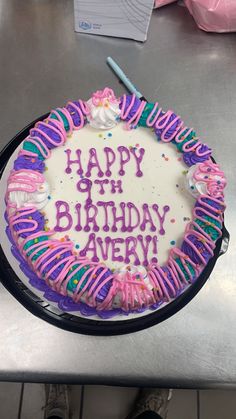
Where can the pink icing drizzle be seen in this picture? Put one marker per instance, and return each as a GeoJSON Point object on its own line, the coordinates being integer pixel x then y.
{"type": "Point", "coordinates": [82, 111]}
{"type": "Point", "coordinates": [156, 120]}
{"type": "Point", "coordinates": [101, 96]}
{"type": "Point", "coordinates": [24, 180]}
{"type": "Point", "coordinates": [210, 174]}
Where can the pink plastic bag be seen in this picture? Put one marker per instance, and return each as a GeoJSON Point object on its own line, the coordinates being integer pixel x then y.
{"type": "Point", "coordinates": [160, 3]}
{"type": "Point", "coordinates": [213, 15]}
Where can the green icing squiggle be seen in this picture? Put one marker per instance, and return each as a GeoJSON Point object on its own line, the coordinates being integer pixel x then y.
{"type": "Point", "coordinates": [64, 118]}
{"type": "Point", "coordinates": [145, 114]}
{"type": "Point", "coordinates": [178, 261]}
{"type": "Point", "coordinates": [31, 242]}
{"type": "Point", "coordinates": [188, 138]}
{"type": "Point", "coordinates": [32, 147]}
{"type": "Point", "coordinates": [208, 226]}
{"type": "Point", "coordinates": [73, 282]}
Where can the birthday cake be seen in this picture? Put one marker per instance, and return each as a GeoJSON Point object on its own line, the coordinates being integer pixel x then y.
{"type": "Point", "coordinates": [113, 206]}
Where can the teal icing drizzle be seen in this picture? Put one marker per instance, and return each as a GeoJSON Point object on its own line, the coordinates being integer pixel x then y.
{"type": "Point", "coordinates": [73, 282]}
{"type": "Point", "coordinates": [178, 261]}
{"type": "Point", "coordinates": [208, 226]}
{"type": "Point", "coordinates": [31, 242]}
{"type": "Point", "coordinates": [188, 138]}
{"type": "Point", "coordinates": [33, 148]}
{"type": "Point", "coordinates": [145, 114]}
{"type": "Point", "coordinates": [64, 118]}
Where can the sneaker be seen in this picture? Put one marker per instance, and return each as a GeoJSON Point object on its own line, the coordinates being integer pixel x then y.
{"type": "Point", "coordinates": [57, 401]}
{"type": "Point", "coordinates": [154, 399]}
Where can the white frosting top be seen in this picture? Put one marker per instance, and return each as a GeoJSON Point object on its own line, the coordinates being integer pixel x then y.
{"type": "Point", "coordinates": [162, 183]}
{"type": "Point", "coordinates": [194, 187]}
{"type": "Point", "coordinates": [104, 109]}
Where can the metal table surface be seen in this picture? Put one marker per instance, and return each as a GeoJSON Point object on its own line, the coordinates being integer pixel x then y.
{"type": "Point", "coordinates": [43, 63]}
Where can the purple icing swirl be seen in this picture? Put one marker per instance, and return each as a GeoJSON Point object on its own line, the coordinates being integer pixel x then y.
{"type": "Point", "coordinates": [169, 276]}
{"type": "Point", "coordinates": [105, 289]}
{"type": "Point", "coordinates": [34, 133]}
{"type": "Point", "coordinates": [190, 157]}
{"type": "Point", "coordinates": [189, 251]}
{"type": "Point", "coordinates": [215, 206]}
{"type": "Point", "coordinates": [54, 274]}
{"type": "Point", "coordinates": [36, 216]}
{"type": "Point", "coordinates": [171, 130]}
{"type": "Point", "coordinates": [134, 108]}
{"type": "Point", "coordinates": [30, 163]}
{"type": "Point", "coordinates": [74, 113]}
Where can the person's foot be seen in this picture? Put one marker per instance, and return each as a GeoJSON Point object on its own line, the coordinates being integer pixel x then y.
{"type": "Point", "coordinates": [154, 399]}
{"type": "Point", "coordinates": [57, 401]}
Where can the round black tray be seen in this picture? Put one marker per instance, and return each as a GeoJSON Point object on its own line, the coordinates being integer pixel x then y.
{"type": "Point", "coordinates": [66, 321]}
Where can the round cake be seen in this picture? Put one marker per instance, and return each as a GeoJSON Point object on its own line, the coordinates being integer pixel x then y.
{"type": "Point", "coordinates": [113, 206]}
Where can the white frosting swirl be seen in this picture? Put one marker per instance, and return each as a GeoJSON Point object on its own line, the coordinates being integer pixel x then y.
{"type": "Point", "coordinates": [205, 179]}
{"type": "Point", "coordinates": [195, 188]}
{"type": "Point", "coordinates": [19, 191]}
{"type": "Point", "coordinates": [104, 110]}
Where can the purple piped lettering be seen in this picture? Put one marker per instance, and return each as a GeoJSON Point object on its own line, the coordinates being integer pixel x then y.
{"type": "Point", "coordinates": [154, 249]}
{"type": "Point", "coordinates": [138, 159]}
{"type": "Point", "coordinates": [101, 182]}
{"type": "Point", "coordinates": [93, 163]}
{"type": "Point", "coordinates": [116, 186]}
{"type": "Point", "coordinates": [133, 217]}
{"type": "Point", "coordinates": [130, 250]}
{"type": "Point", "coordinates": [90, 248]}
{"type": "Point", "coordinates": [70, 162]}
{"type": "Point", "coordinates": [91, 214]}
{"type": "Point", "coordinates": [119, 219]}
{"type": "Point", "coordinates": [63, 212]}
{"type": "Point", "coordinates": [116, 250]}
{"type": "Point", "coordinates": [154, 240]}
{"type": "Point", "coordinates": [104, 247]}
{"type": "Point", "coordinates": [110, 160]}
{"type": "Point", "coordinates": [105, 206]}
{"type": "Point", "coordinates": [145, 244]}
{"type": "Point", "coordinates": [161, 218]}
{"type": "Point", "coordinates": [78, 226]}
{"type": "Point", "coordinates": [124, 158]}
{"type": "Point", "coordinates": [85, 186]}
{"type": "Point", "coordinates": [147, 218]}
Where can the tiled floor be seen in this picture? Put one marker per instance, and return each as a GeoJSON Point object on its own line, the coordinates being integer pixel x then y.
{"type": "Point", "coordinates": [26, 401]}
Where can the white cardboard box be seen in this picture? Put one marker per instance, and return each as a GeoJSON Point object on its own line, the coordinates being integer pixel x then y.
{"type": "Point", "coordinates": [120, 18]}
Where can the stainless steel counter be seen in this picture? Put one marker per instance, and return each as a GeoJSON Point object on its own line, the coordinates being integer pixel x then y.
{"type": "Point", "coordinates": [43, 63]}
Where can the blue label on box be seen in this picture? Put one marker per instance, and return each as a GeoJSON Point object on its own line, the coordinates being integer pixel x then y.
{"type": "Point", "coordinates": [85, 25]}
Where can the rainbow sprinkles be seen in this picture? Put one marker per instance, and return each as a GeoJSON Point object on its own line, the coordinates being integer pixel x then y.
{"type": "Point", "coordinates": [125, 233]}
